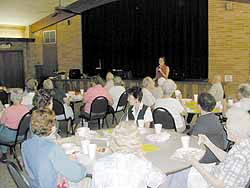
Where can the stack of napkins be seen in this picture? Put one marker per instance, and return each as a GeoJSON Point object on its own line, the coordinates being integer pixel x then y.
{"type": "Point", "coordinates": [161, 137]}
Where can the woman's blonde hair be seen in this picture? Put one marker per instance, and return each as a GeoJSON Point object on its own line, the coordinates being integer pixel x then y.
{"type": "Point", "coordinates": [16, 95]}
{"type": "Point", "coordinates": [42, 121]}
{"type": "Point", "coordinates": [48, 84]}
{"type": "Point", "coordinates": [126, 138]}
{"type": "Point", "coordinates": [31, 84]}
{"type": "Point", "coordinates": [147, 81]}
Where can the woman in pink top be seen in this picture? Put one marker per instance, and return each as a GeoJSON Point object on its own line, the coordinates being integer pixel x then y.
{"type": "Point", "coordinates": [94, 91]}
{"type": "Point", "coordinates": [10, 120]}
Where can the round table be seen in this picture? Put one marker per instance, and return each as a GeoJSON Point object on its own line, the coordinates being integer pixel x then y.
{"type": "Point", "coordinates": [160, 158]}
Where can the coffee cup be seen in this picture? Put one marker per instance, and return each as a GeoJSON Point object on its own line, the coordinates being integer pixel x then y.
{"type": "Point", "coordinates": [185, 141]}
{"type": "Point", "coordinates": [230, 102]}
{"type": "Point", "coordinates": [92, 150]}
{"type": "Point", "coordinates": [195, 98]}
{"type": "Point", "coordinates": [158, 128]}
{"type": "Point", "coordinates": [82, 91]}
{"type": "Point", "coordinates": [84, 145]}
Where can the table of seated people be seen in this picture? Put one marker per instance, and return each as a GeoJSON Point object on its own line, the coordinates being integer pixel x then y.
{"type": "Point", "coordinates": [159, 153]}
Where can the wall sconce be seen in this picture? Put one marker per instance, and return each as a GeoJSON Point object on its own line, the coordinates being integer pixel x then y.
{"type": "Point", "coordinates": [6, 44]}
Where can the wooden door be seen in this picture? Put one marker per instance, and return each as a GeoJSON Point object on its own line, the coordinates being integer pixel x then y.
{"type": "Point", "coordinates": [49, 59]}
{"type": "Point", "coordinates": [11, 69]}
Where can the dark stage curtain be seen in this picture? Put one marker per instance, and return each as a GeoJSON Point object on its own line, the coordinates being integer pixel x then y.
{"type": "Point", "coordinates": [132, 34]}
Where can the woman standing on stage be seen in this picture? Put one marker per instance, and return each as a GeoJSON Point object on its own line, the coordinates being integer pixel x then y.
{"type": "Point", "coordinates": [162, 70]}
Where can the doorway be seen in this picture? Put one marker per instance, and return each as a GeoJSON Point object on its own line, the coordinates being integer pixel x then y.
{"type": "Point", "coordinates": [11, 69]}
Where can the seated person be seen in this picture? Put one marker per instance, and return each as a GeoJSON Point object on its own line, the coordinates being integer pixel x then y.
{"type": "Point", "coordinates": [244, 97]}
{"type": "Point", "coordinates": [138, 110]}
{"type": "Point", "coordinates": [10, 120]}
{"type": "Point", "coordinates": [208, 124]}
{"type": "Point", "coordinates": [216, 89]}
{"type": "Point", "coordinates": [126, 167]}
{"type": "Point", "coordinates": [44, 160]}
{"type": "Point", "coordinates": [116, 91]}
{"type": "Point", "coordinates": [31, 87]}
{"type": "Point", "coordinates": [148, 86]}
{"type": "Point", "coordinates": [94, 91]}
{"type": "Point", "coordinates": [109, 81]}
{"type": "Point", "coordinates": [175, 106]}
{"type": "Point", "coordinates": [59, 95]}
{"type": "Point", "coordinates": [234, 169]}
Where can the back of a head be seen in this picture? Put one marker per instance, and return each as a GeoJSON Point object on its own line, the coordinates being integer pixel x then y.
{"type": "Point", "coordinates": [48, 84]}
{"type": "Point", "coordinates": [238, 122]}
{"type": "Point", "coordinates": [16, 95]}
{"type": "Point", "coordinates": [31, 84]}
{"type": "Point", "coordinates": [118, 81]}
{"type": "Point", "coordinates": [244, 90]}
{"type": "Point", "coordinates": [109, 76]}
{"type": "Point", "coordinates": [136, 92]}
{"type": "Point", "coordinates": [147, 82]}
{"type": "Point", "coordinates": [42, 99]}
{"type": "Point", "coordinates": [207, 102]}
{"type": "Point", "coordinates": [43, 120]}
{"type": "Point", "coordinates": [169, 87]}
{"type": "Point", "coordinates": [126, 138]}
{"type": "Point", "coordinates": [217, 78]}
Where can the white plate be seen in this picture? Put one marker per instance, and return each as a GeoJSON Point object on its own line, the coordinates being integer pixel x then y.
{"type": "Point", "coordinates": [161, 137]}
{"type": "Point", "coordinates": [74, 149]}
{"type": "Point", "coordinates": [66, 146]}
{"type": "Point", "coordinates": [182, 152]}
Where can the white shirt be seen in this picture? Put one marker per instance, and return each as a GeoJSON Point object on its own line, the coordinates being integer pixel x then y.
{"type": "Point", "coordinates": [175, 109]}
{"type": "Point", "coordinates": [126, 171]}
{"type": "Point", "coordinates": [148, 117]}
{"type": "Point", "coordinates": [147, 99]}
{"type": "Point", "coordinates": [28, 99]}
{"type": "Point", "coordinates": [243, 104]}
{"type": "Point", "coordinates": [217, 91]}
{"type": "Point", "coordinates": [116, 92]}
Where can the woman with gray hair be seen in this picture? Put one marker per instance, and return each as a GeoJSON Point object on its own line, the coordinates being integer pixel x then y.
{"type": "Point", "coordinates": [244, 96]}
{"type": "Point", "coordinates": [233, 171]}
{"type": "Point", "coordinates": [175, 106]}
{"type": "Point", "coordinates": [127, 166]}
{"type": "Point", "coordinates": [10, 120]}
{"type": "Point", "coordinates": [116, 91]}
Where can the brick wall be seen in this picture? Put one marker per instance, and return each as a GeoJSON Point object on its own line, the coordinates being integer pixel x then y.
{"type": "Point", "coordinates": [69, 45]}
{"type": "Point", "coordinates": [229, 42]}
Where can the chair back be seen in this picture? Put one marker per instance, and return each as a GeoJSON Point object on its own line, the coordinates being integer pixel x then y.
{"type": "Point", "coordinates": [17, 176]}
{"type": "Point", "coordinates": [4, 97]}
{"type": "Point", "coordinates": [23, 127]}
{"type": "Point", "coordinates": [162, 116]}
{"type": "Point", "coordinates": [122, 102]}
{"type": "Point", "coordinates": [99, 108]}
{"type": "Point", "coordinates": [58, 108]}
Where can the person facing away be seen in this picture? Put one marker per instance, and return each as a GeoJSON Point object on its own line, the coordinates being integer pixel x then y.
{"type": "Point", "coordinates": [126, 167]}
{"type": "Point", "coordinates": [175, 106]}
{"type": "Point", "coordinates": [208, 124]}
{"type": "Point", "coordinates": [162, 70]}
{"type": "Point", "coordinates": [44, 160]}
{"type": "Point", "coordinates": [217, 89]}
{"type": "Point", "coordinates": [138, 110]}
{"type": "Point", "coordinates": [10, 120]}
